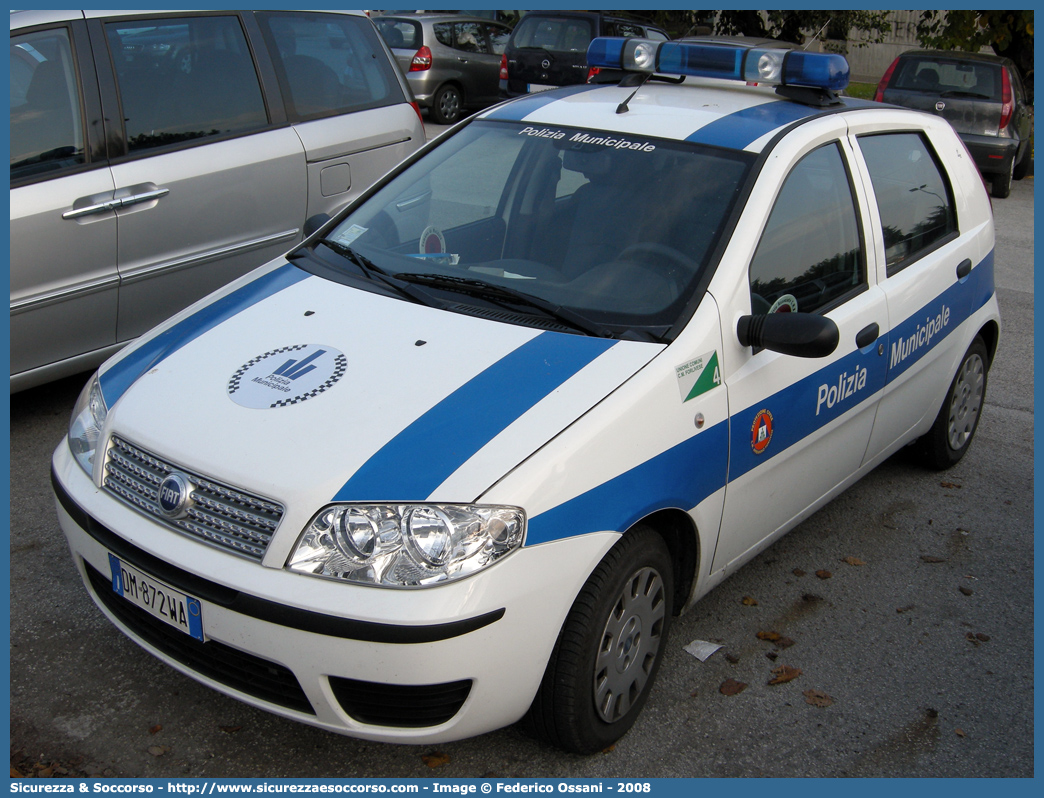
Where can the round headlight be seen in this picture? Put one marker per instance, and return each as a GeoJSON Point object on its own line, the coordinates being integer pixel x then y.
{"type": "Point", "coordinates": [356, 534]}
{"type": "Point", "coordinates": [429, 534]}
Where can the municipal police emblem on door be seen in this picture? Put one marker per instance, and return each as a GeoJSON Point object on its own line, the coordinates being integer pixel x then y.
{"type": "Point", "coordinates": [286, 376]}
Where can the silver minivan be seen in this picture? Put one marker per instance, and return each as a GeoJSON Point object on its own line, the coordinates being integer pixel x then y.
{"type": "Point", "coordinates": [155, 156]}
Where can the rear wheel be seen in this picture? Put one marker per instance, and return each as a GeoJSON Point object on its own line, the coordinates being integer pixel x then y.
{"type": "Point", "coordinates": [1022, 167]}
{"type": "Point", "coordinates": [447, 105]}
{"type": "Point", "coordinates": [951, 434]}
{"type": "Point", "coordinates": [1001, 183]}
{"type": "Point", "coordinates": [610, 648]}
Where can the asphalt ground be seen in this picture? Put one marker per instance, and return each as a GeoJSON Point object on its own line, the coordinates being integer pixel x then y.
{"type": "Point", "coordinates": [916, 654]}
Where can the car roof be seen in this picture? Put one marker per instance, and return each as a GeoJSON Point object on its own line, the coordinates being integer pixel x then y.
{"type": "Point", "coordinates": [434, 17]}
{"type": "Point", "coordinates": [702, 111]}
{"type": "Point", "coordinates": [957, 55]}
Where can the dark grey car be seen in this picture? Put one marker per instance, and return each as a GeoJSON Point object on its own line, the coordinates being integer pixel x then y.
{"type": "Point", "coordinates": [451, 62]}
{"type": "Point", "coordinates": [982, 96]}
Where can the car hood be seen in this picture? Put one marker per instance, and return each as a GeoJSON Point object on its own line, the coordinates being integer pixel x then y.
{"type": "Point", "coordinates": [306, 391]}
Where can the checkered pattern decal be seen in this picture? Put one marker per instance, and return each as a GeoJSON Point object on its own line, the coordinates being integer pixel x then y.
{"type": "Point", "coordinates": [340, 366]}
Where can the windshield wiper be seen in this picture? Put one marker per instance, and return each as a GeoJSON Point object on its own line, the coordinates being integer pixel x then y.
{"type": "Point", "coordinates": [968, 94]}
{"type": "Point", "coordinates": [376, 273]}
{"type": "Point", "coordinates": [480, 288]}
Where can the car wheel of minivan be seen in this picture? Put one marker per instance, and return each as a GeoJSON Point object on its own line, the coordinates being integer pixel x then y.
{"type": "Point", "coordinates": [447, 105]}
{"type": "Point", "coordinates": [1001, 183]}
{"type": "Point", "coordinates": [609, 650]}
{"type": "Point", "coordinates": [954, 427]}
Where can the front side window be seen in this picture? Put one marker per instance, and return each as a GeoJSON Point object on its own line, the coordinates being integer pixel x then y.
{"type": "Point", "coordinates": [913, 196]}
{"type": "Point", "coordinates": [46, 125]}
{"type": "Point", "coordinates": [616, 228]}
{"type": "Point", "coordinates": [809, 257]}
{"type": "Point", "coordinates": [184, 78]}
{"type": "Point", "coordinates": [329, 63]}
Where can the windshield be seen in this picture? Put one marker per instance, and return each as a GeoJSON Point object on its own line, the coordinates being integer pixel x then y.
{"type": "Point", "coordinates": [612, 228]}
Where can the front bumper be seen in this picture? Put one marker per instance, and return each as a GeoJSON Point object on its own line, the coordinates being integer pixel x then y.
{"type": "Point", "coordinates": [413, 666]}
{"type": "Point", "coordinates": [992, 154]}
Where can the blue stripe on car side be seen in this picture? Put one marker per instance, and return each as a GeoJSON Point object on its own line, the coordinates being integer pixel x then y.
{"type": "Point", "coordinates": [688, 473]}
{"type": "Point", "coordinates": [421, 457]}
{"type": "Point", "coordinates": [518, 110]}
{"type": "Point", "coordinates": [742, 128]}
{"type": "Point", "coordinates": [119, 377]}
{"type": "Point", "coordinates": [680, 477]}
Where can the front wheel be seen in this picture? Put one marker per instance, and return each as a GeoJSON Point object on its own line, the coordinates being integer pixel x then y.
{"type": "Point", "coordinates": [610, 648]}
{"type": "Point", "coordinates": [951, 434]}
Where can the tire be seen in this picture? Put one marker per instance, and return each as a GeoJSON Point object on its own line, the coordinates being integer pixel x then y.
{"type": "Point", "coordinates": [1001, 183]}
{"type": "Point", "coordinates": [1022, 168]}
{"type": "Point", "coordinates": [447, 105]}
{"type": "Point", "coordinates": [951, 434]}
{"type": "Point", "coordinates": [609, 650]}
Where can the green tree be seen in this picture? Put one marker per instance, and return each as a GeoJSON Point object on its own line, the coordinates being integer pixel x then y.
{"type": "Point", "coordinates": [1009, 33]}
{"type": "Point", "coordinates": [855, 27]}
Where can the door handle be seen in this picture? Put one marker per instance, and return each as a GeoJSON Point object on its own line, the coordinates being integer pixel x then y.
{"type": "Point", "coordinates": [462, 60]}
{"type": "Point", "coordinates": [867, 335]}
{"type": "Point", "coordinates": [964, 268]}
{"type": "Point", "coordinates": [116, 203]}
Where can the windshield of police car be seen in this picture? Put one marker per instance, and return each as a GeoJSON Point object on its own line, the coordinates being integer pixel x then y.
{"type": "Point", "coordinates": [615, 228]}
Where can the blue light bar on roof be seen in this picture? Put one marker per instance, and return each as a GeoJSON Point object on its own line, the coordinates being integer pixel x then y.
{"type": "Point", "coordinates": [772, 67]}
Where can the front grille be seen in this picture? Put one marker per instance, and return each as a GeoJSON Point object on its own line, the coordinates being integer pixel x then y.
{"type": "Point", "coordinates": [221, 515]}
{"type": "Point", "coordinates": [398, 705]}
{"type": "Point", "coordinates": [244, 672]}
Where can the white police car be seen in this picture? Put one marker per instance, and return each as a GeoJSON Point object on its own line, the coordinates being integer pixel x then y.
{"type": "Point", "coordinates": [460, 457]}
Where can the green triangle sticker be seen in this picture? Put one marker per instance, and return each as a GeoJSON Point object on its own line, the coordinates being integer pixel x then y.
{"type": "Point", "coordinates": [708, 377]}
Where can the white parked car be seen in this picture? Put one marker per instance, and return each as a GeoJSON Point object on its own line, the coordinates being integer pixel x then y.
{"type": "Point", "coordinates": [460, 457]}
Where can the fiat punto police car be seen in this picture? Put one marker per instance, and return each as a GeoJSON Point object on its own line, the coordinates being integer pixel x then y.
{"type": "Point", "coordinates": [460, 457]}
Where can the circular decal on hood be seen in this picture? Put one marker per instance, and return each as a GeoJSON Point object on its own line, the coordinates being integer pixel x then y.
{"type": "Point", "coordinates": [286, 376]}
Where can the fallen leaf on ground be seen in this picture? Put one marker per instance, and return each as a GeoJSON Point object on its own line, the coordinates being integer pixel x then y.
{"type": "Point", "coordinates": [749, 602]}
{"type": "Point", "coordinates": [770, 636]}
{"type": "Point", "coordinates": [966, 590]}
{"type": "Point", "coordinates": [230, 729]}
{"type": "Point", "coordinates": [772, 655]}
{"type": "Point", "coordinates": [436, 760]}
{"type": "Point", "coordinates": [798, 572]}
{"type": "Point", "coordinates": [907, 608]}
{"type": "Point", "coordinates": [928, 558]}
{"type": "Point", "coordinates": [949, 485]}
{"type": "Point", "coordinates": [823, 573]}
{"type": "Point", "coordinates": [158, 750]}
{"type": "Point", "coordinates": [817, 698]}
{"type": "Point", "coordinates": [156, 729]}
{"type": "Point", "coordinates": [784, 674]}
{"type": "Point", "coordinates": [732, 687]}
{"type": "Point", "coordinates": [854, 561]}
{"type": "Point", "coordinates": [959, 732]}
{"type": "Point", "coordinates": [784, 642]}
{"type": "Point", "coordinates": [982, 637]}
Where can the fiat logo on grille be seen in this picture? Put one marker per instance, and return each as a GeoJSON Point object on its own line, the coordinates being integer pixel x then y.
{"type": "Point", "coordinates": [940, 106]}
{"type": "Point", "coordinates": [174, 495]}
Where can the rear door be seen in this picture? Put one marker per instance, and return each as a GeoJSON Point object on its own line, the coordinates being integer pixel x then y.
{"type": "Point", "coordinates": [208, 189]}
{"type": "Point", "coordinates": [549, 51]}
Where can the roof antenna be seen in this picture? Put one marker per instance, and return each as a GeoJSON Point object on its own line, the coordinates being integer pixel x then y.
{"type": "Point", "coordinates": [641, 79]}
{"type": "Point", "coordinates": [817, 34]}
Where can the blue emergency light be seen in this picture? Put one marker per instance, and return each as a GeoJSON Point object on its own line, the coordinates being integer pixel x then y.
{"type": "Point", "coordinates": [773, 67]}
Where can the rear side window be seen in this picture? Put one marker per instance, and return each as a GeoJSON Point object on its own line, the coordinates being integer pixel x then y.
{"type": "Point", "coordinates": [46, 125]}
{"type": "Point", "coordinates": [557, 34]}
{"type": "Point", "coordinates": [948, 76]}
{"type": "Point", "coordinates": [913, 196]}
{"type": "Point", "coordinates": [809, 256]}
{"type": "Point", "coordinates": [185, 78]}
{"type": "Point", "coordinates": [329, 63]}
{"type": "Point", "coordinates": [401, 33]}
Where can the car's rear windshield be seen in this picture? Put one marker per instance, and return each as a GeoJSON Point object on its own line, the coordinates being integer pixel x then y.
{"type": "Point", "coordinates": [400, 34]}
{"type": "Point", "coordinates": [617, 227]}
{"type": "Point", "coordinates": [555, 34]}
{"type": "Point", "coordinates": [940, 75]}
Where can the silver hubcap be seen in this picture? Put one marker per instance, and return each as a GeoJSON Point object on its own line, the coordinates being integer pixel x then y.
{"type": "Point", "coordinates": [966, 402]}
{"type": "Point", "coordinates": [450, 104]}
{"type": "Point", "coordinates": [629, 644]}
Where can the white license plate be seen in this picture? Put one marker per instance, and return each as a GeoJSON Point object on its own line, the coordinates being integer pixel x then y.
{"type": "Point", "coordinates": [162, 601]}
{"type": "Point", "coordinates": [535, 87]}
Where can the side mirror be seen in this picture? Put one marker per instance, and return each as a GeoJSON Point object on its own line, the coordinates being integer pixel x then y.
{"type": "Point", "coordinates": [797, 334]}
{"type": "Point", "coordinates": [313, 223]}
